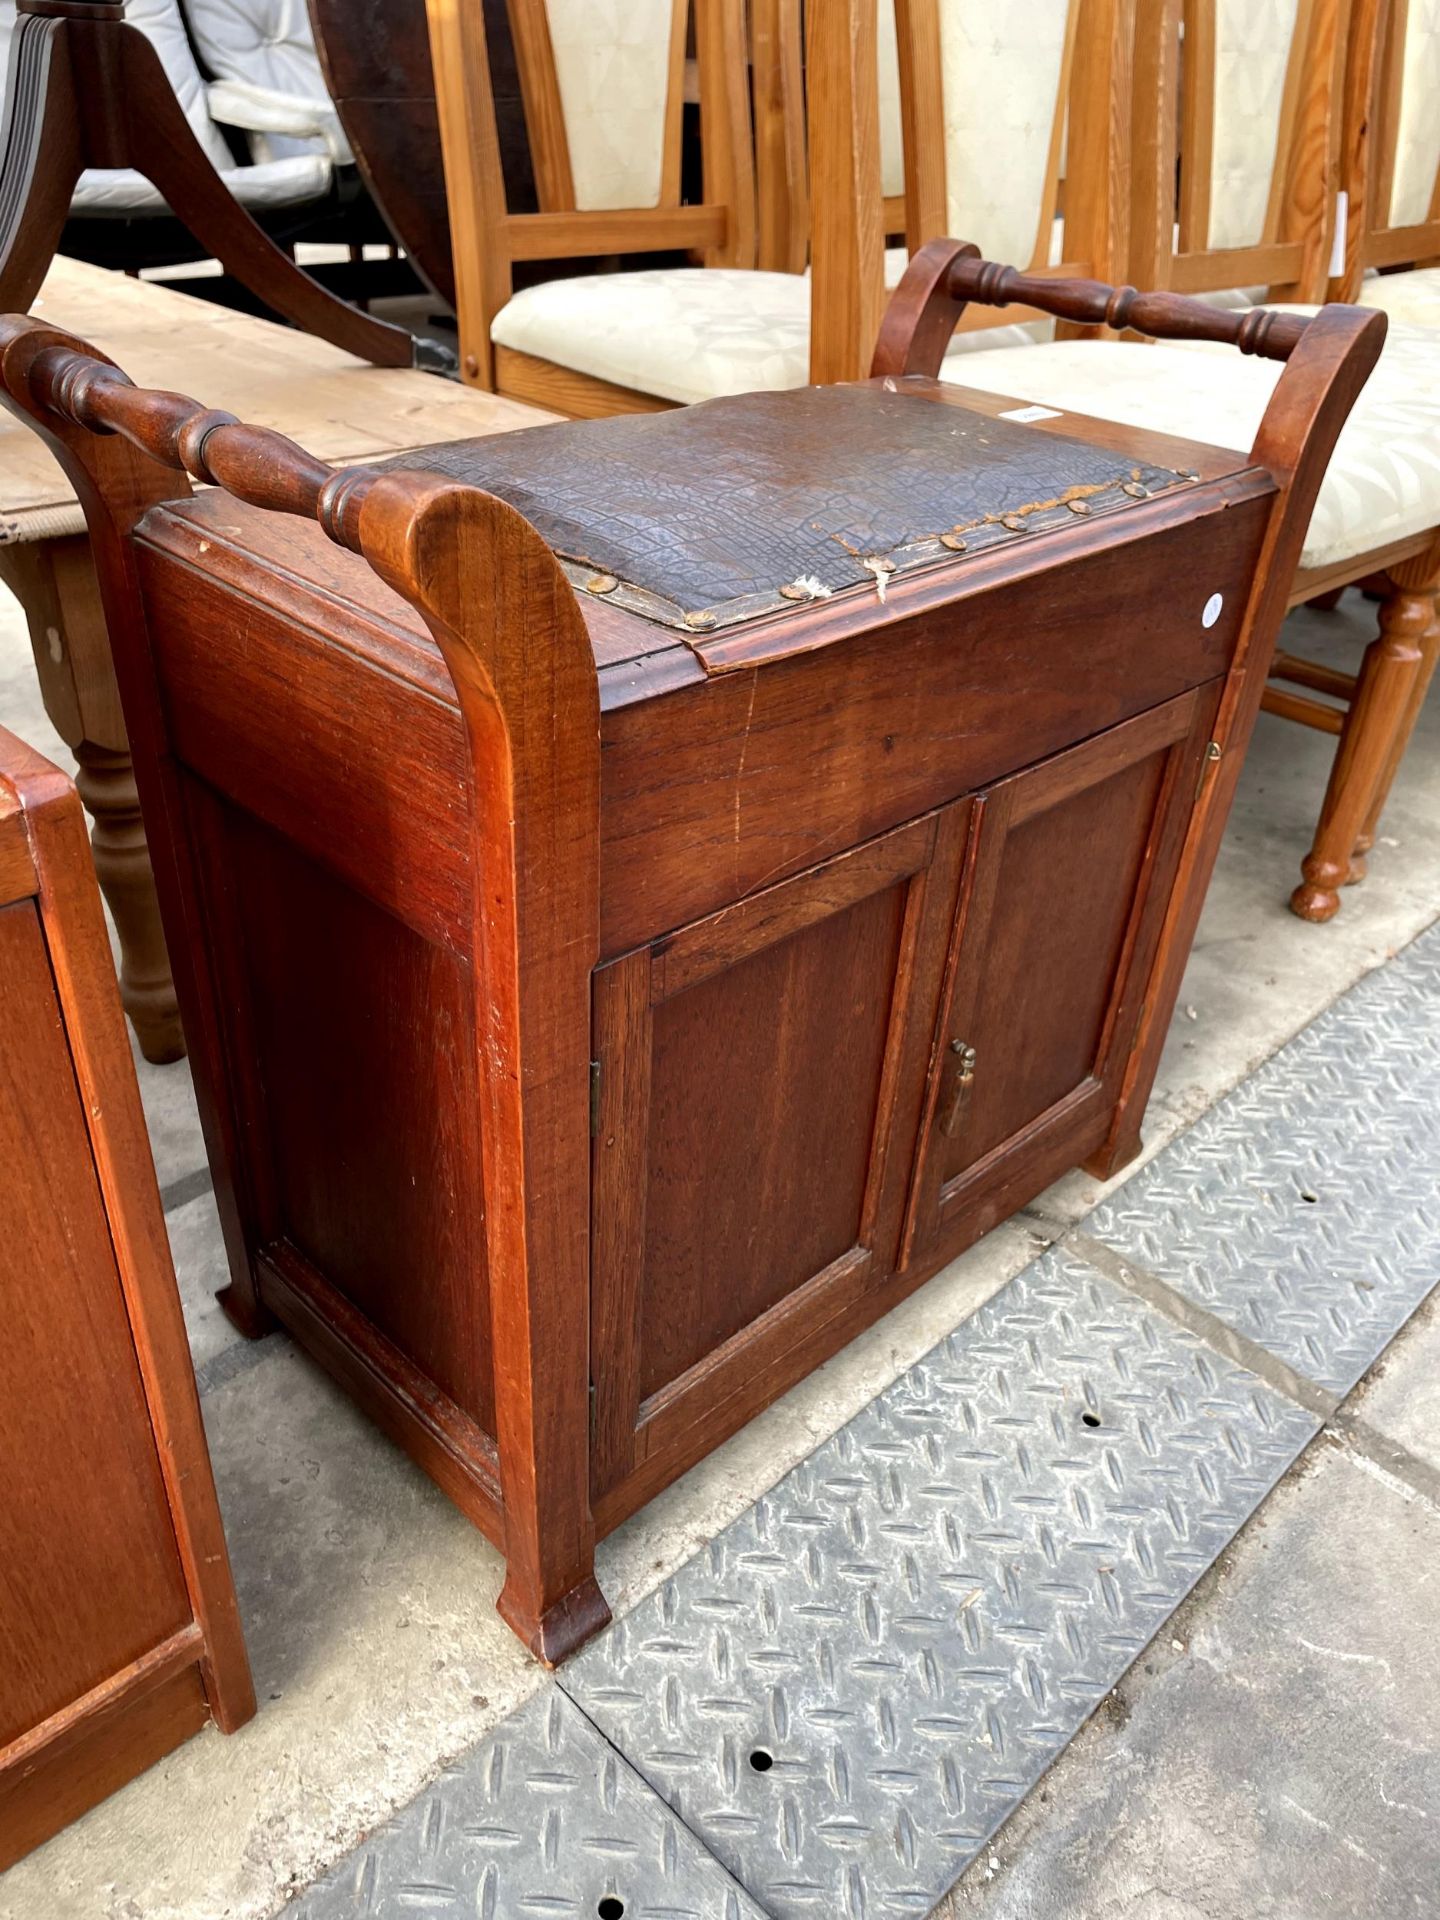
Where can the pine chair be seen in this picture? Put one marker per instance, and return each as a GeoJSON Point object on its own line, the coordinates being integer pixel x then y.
{"type": "Point", "coordinates": [1390, 161]}
{"type": "Point", "coordinates": [1262, 211]}
{"type": "Point", "coordinates": [742, 322]}
{"type": "Point", "coordinates": [604, 92]}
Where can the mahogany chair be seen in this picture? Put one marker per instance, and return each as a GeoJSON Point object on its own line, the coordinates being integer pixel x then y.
{"type": "Point", "coordinates": [646, 893]}
{"type": "Point", "coordinates": [1390, 162]}
{"type": "Point", "coordinates": [1257, 207]}
{"type": "Point", "coordinates": [88, 97]}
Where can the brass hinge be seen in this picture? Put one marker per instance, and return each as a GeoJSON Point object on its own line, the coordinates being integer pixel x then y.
{"type": "Point", "coordinates": [594, 1106]}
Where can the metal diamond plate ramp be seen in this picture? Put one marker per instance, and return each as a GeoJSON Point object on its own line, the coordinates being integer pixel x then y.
{"type": "Point", "coordinates": [1304, 1209]}
{"type": "Point", "coordinates": [542, 1821]}
{"type": "Point", "coordinates": [851, 1688]}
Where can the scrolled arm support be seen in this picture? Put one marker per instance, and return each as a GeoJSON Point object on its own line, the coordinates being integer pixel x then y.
{"type": "Point", "coordinates": [947, 276]}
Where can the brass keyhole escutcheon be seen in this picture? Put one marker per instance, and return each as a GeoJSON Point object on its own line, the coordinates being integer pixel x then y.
{"type": "Point", "coordinates": [962, 1068]}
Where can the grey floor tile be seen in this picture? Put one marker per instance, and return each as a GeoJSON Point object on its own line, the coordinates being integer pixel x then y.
{"type": "Point", "coordinates": [860, 1678]}
{"type": "Point", "coordinates": [1282, 1758]}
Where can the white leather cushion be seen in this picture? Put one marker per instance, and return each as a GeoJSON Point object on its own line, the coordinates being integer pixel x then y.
{"type": "Point", "coordinates": [276, 183]}
{"type": "Point", "coordinates": [1413, 297]}
{"type": "Point", "coordinates": [681, 333]}
{"type": "Point", "coordinates": [160, 22]}
{"type": "Point", "coordinates": [1383, 483]}
{"type": "Point", "coordinates": [265, 43]}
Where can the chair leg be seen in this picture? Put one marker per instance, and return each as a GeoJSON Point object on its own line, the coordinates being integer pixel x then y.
{"type": "Point", "coordinates": [163, 146]}
{"type": "Point", "coordinates": [42, 158]}
{"type": "Point", "coordinates": [1373, 727]}
{"type": "Point", "coordinates": [1430, 655]}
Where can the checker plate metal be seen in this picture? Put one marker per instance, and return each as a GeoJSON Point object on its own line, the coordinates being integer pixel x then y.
{"type": "Point", "coordinates": [542, 1819]}
{"type": "Point", "coordinates": [920, 1616]}
{"type": "Point", "coordinates": [1348, 1113]}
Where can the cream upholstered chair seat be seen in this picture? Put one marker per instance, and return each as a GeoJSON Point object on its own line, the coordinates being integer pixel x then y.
{"type": "Point", "coordinates": [682, 333]}
{"type": "Point", "coordinates": [1383, 483]}
{"type": "Point", "coordinates": [1413, 298]}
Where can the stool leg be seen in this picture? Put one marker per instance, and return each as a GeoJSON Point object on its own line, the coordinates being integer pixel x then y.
{"type": "Point", "coordinates": [1388, 677]}
{"type": "Point", "coordinates": [1430, 655]}
{"type": "Point", "coordinates": [106, 782]}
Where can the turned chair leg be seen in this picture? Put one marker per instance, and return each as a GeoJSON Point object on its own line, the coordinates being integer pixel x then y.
{"type": "Point", "coordinates": [1430, 654]}
{"type": "Point", "coordinates": [106, 783]}
{"type": "Point", "coordinates": [1373, 733]}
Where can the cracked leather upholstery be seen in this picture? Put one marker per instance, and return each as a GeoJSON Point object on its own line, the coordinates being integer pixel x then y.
{"type": "Point", "coordinates": [712, 510]}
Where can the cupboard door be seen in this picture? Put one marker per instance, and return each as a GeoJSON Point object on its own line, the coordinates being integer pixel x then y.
{"type": "Point", "coordinates": [1059, 915]}
{"type": "Point", "coordinates": [753, 1072]}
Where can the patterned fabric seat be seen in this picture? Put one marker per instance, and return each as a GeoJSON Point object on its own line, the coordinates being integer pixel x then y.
{"type": "Point", "coordinates": [1383, 483]}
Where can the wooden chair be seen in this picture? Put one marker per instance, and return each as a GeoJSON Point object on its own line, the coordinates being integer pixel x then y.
{"type": "Point", "coordinates": [1390, 161]}
{"type": "Point", "coordinates": [1379, 509]}
{"type": "Point", "coordinates": [87, 95]}
{"type": "Point", "coordinates": [604, 93]}
{"type": "Point", "coordinates": [975, 114]}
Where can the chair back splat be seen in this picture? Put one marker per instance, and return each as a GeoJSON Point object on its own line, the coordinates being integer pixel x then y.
{"type": "Point", "coordinates": [604, 91]}
{"type": "Point", "coordinates": [1390, 158]}
{"type": "Point", "coordinates": [1250, 117]}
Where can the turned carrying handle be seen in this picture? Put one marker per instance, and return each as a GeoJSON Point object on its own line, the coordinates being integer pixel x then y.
{"type": "Point", "coordinates": [256, 464]}
{"type": "Point", "coordinates": [948, 275]}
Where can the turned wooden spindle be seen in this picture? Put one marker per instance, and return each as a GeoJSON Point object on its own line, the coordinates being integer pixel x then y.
{"type": "Point", "coordinates": [255, 464]}
{"type": "Point", "coordinates": [948, 275]}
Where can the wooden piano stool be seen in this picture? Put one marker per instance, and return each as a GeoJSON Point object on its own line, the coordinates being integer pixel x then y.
{"type": "Point", "coordinates": [647, 893]}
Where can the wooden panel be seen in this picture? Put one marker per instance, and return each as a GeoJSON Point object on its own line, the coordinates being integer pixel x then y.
{"type": "Point", "coordinates": [761, 1074]}
{"type": "Point", "coordinates": [375, 1164]}
{"type": "Point", "coordinates": [108, 1748]}
{"type": "Point", "coordinates": [1052, 948]}
{"type": "Point", "coordinates": [89, 1575]}
{"type": "Point", "coordinates": [764, 1085]}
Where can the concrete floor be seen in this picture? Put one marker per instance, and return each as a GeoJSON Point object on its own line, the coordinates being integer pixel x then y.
{"type": "Point", "coordinates": [368, 1602]}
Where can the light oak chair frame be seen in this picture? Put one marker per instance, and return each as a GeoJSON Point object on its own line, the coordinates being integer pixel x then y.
{"type": "Point", "coordinates": [1380, 704]}
{"type": "Point", "coordinates": [489, 240]}
{"type": "Point", "coordinates": [848, 215]}
{"type": "Point", "coordinates": [1373, 73]}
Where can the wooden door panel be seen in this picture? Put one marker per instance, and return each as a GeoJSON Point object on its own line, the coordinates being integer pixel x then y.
{"type": "Point", "coordinates": [751, 1070]}
{"type": "Point", "coordinates": [1073, 866]}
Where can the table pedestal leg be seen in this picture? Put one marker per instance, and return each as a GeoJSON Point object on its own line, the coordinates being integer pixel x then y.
{"type": "Point", "coordinates": [54, 580]}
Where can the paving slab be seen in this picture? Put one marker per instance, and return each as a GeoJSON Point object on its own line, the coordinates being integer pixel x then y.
{"type": "Point", "coordinates": [1400, 1399]}
{"type": "Point", "coordinates": [1280, 1755]}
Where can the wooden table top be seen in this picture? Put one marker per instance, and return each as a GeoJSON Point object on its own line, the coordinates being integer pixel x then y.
{"type": "Point", "coordinates": [335, 406]}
